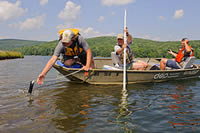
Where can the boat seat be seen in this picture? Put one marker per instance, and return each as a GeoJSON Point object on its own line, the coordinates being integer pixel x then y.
{"type": "Point", "coordinates": [169, 68]}
{"type": "Point", "coordinates": [108, 67]}
{"type": "Point", "coordinates": [188, 63]}
{"type": "Point", "coordinates": [75, 65]}
{"type": "Point", "coordinates": [115, 60]}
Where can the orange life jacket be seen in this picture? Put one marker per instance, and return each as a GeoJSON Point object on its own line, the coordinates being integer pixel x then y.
{"type": "Point", "coordinates": [180, 54]}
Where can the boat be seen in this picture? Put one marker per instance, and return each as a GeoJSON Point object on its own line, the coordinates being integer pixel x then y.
{"type": "Point", "coordinates": [102, 75]}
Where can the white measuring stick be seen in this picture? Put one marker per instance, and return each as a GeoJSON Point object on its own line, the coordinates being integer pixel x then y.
{"type": "Point", "coordinates": [125, 42]}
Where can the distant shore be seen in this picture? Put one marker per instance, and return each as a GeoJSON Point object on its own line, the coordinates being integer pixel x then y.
{"type": "Point", "coordinates": [10, 55]}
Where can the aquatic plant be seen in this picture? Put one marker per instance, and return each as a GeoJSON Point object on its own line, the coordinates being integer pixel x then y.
{"type": "Point", "coordinates": [10, 55]}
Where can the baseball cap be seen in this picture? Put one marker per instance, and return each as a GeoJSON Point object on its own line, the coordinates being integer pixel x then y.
{"type": "Point", "coordinates": [67, 36]}
{"type": "Point", "coordinates": [120, 36]}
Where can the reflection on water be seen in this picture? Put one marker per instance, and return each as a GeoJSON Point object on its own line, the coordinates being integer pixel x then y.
{"type": "Point", "coordinates": [124, 113]}
{"type": "Point", "coordinates": [61, 107]}
{"type": "Point", "coordinates": [181, 110]}
{"type": "Point", "coordinates": [74, 105]}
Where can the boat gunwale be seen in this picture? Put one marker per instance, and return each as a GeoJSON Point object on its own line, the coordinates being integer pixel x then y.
{"type": "Point", "coordinates": [129, 71]}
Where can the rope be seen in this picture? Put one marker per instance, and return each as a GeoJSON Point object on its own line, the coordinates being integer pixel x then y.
{"type": "Point", "coordinates": [90, 74]}
{"type": "Point", "coordinates": [33, 81]}
{"type": "Point", "coordinates": [65, 75]}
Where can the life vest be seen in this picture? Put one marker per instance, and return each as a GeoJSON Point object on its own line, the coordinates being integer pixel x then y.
{"type": "Point", "coordinates": [75, 49]}
{"type": "Point", "coordinates": [129, 56]}
{"type": "Point", "coordinates": [76, 31]}
{"type": "Point", "coordinates": [180, 55]}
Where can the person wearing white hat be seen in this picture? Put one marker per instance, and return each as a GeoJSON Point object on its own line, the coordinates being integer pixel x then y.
{"type": "Point", "coordinates": [119, 51]}
{"type": "Point", "coordinates": [73, 48]}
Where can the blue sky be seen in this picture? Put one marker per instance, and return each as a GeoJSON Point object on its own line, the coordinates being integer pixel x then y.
{"type": "Point", "coordinates": [162, 20]}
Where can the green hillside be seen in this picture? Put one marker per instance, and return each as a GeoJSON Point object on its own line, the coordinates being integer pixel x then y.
{"type": "Point", "coordinates": [9, 44]}
{"type": "Point", "coordinates": [103, 46]}
{"type": "Point", "coordinates": [46, 48]}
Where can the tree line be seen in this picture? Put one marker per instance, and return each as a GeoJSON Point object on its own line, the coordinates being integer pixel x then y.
{"type": "Point", "coordinates": [103, 46]}
{"type": "Point", "coordinates": [9, 44]}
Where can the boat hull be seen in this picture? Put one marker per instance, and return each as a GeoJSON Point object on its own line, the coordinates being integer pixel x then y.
{"type": "Point", "coordinates": [101, 76]}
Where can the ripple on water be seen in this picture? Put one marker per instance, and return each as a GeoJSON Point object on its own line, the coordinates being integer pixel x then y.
{"type": "Point", "coordinates": [65, 107]}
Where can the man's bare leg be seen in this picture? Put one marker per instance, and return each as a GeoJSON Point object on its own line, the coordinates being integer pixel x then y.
{"type": "Point", "coordinates": [69, 62]}
{"type": "Point", "coordinates": [163, 63]}
{"type": "Point", "coordinates": [139, 66]}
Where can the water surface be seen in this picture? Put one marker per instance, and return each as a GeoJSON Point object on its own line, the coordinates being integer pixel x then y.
{"type": "Point", "coordinates": [63, 107]}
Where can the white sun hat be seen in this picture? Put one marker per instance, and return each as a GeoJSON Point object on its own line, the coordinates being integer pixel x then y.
{"type": "Point", "coordinates": [120, 36]}
{"type": "Point", "coordinates": [67, 36]}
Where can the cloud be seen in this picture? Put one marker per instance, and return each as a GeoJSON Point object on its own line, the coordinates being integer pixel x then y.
{"type": "Point", "coordinates": [87, 32]}
{"type": "Point", "coordinates": [70, 13]}
{"type": "Point", "coordinates": [43, 2]}
{"type": "Point", "coordinates": [162, 18]}
{"type": "Point", "coordinates": [117, 2]}
{"type": "Point", "coordinates": [101, 19]}
{"type": "Point", "coordinates": [91, 32]}
{"type": "Point", "coordinates": [30, 23]}
{"type": "Point", "coordinates": [178, 14]}
{"type": "Point", "coordinates": [64, 26]}
{"type": "Point", "coordinates": [10, 10]}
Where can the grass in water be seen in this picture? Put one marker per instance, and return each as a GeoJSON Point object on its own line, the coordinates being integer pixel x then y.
{"type": "Point", "coordinates": [10, 55]}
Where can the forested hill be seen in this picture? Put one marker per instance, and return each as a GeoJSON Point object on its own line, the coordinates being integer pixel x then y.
{"type": "Point", "coordinates": [103, 46]}
{"type": "Point", "coordinates": [8, 44]}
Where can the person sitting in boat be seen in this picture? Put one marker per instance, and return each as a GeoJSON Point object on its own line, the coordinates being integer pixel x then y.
{"type": "Point", "coordinates": [119, 51]}
{"type": "Point", "coordinates": [73, 48]}
{"type": "Point", "coordinates": [185, 52]}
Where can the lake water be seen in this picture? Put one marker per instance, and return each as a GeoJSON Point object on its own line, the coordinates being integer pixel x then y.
{"type": "Point", "coordinates": [63, 107]}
